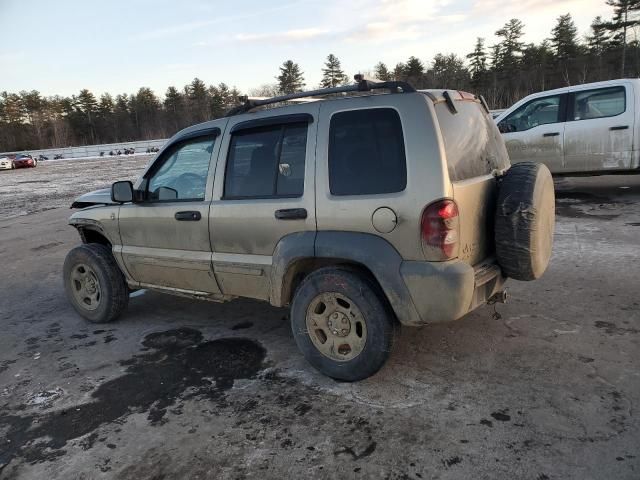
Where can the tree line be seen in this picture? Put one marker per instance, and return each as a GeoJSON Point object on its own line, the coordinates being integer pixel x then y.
{"type": "Point", "coordinates": [502, 73]}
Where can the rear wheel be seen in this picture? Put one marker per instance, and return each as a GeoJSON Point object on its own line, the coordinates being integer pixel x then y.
{"type": "Point", "coordinates": [342, 324]}
{"type": "Point", "coordinates": [94, 284]}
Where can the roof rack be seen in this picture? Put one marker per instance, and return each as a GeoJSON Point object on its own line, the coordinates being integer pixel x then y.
{"type": "Point", "coordinates": [361, 85]}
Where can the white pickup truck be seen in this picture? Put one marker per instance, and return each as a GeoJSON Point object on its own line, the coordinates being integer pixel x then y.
{"type": "Point", "coordinates": [584, 129]}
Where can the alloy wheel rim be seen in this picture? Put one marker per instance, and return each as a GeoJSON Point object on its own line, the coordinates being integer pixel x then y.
{"type": "Point", "coordinates": [336, 327]}
{"type": "Point", "coordinates": [86, 287]}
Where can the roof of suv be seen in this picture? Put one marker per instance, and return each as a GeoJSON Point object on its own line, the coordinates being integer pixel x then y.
{"type": "Point", "coordinates": [363, 88]}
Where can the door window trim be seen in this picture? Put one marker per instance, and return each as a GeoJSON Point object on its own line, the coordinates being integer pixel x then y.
{"type": "Point", "coordinates": [212, 133]}
{"type": "Point", "coordinates": [279, 120]}
{"type": "Point", "coordinates": [572, 97]}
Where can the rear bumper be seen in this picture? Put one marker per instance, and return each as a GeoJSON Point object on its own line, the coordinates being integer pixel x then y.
{"type": "Point", "coordinates": [444, 291]}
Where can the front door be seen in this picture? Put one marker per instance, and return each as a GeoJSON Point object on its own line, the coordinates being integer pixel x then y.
{"type": "Point", "coordinates": [535, 132]}
{"type": "Point", "coordinates": [264, 191]}
{"type": "Point", "coordinates": [165, 237]}
{"type": "Point", "coordinates": [599, 131]}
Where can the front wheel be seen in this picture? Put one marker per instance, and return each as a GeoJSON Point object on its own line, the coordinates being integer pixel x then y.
{"type": "Point", "coordinates": [94, 284]}
{"type": "Point", "coordinates": [342, 323]}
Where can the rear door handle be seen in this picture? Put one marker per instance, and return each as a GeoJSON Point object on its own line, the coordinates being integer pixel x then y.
{"type": "Point", "coordinates": [551, 134]}
{"type": "Point", "coordinates": [189, 216]}
{"type": "Point", "coordinates": [620, 127]}
{"type": "Point", "coordinates": [291, 214]}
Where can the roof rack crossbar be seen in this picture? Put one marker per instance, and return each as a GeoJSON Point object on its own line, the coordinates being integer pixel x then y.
{"type": "Point", "coordinates": [361, 85]}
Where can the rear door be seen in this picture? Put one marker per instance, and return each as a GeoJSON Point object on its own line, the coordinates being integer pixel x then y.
{"type": "Point", "coordinates": [599, 129]}
{"type": "Point", "coordinates": [535, 132]}
{"type": "Point", "coordinates": [264, 191]}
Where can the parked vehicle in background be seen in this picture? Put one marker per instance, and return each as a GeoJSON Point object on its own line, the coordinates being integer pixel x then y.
{"type": "Point", "coordinates": [585, 129]}
{"type": "Point", "coordinates": [24, 161]}
{"type": "Point", "coordinates": [362, 212]}
{"type": "Point", "coordinates": [6, 163]}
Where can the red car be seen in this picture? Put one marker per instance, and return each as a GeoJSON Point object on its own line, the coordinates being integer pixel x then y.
{"type": "Point", "coordinates": [24, 161]}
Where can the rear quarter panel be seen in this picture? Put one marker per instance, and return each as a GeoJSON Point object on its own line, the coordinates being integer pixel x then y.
{"type": "Point", "coordinates": [426, 174]}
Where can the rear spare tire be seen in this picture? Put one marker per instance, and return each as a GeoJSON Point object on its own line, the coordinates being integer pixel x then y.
{"type": "Point", "coordinates": [525, 219]}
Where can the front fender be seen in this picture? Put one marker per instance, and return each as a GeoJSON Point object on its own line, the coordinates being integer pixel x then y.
{"type": "Point", "coordinates": [102, 219]}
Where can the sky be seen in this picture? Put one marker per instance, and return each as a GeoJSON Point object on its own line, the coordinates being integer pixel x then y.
{"type": "Point", "coordinates": [118, 46]}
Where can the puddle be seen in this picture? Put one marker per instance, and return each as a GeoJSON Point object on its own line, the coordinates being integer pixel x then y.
{"type": "Point", "coordinates": [178, 361]}
{"type": "Point", "coordinates": [585, 205]}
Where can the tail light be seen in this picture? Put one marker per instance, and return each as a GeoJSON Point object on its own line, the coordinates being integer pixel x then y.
{"type": "Point", "coordinates": [439, 228]}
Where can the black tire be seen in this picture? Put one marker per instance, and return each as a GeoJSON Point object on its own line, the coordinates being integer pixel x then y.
{"type": "Point", "coordinates": [525, 220]}
{"type": "Point", "coordinates": [374, 309]}
{"type": "Point", "coordinates": [114, 293]}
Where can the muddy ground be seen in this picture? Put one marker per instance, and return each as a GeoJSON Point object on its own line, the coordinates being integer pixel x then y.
{"type": "Point", "coordinates": [547, 389]}
{"type": "Point", "coordinates": [53, 184]}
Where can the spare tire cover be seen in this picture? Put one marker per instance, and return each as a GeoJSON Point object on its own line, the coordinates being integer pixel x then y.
{"type": "Point", "coordinates": [525, 219]}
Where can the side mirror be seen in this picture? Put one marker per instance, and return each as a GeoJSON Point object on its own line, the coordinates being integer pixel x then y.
{"type": "Point", "coordinates": [506, 127]}
{"type": "Point", "coordinates": [122, 192]}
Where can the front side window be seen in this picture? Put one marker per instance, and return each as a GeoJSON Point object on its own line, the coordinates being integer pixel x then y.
{"type": "Point", "coordinates": [267, 162]}
{"type": "Point", "coordinates": [605, 102]}
{"type": "Point", "coordinates": [537, 112]}
{"type": "Point", "coordinates": [366, 153]}
{"type": "Point", "coordinates": [183, 173]}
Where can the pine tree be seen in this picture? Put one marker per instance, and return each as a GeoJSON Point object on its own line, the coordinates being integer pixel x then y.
{"type": "Point", "coordinates": [413, 69]}
{"type": "Point", "coordinates": [399, 71]}
{"type": "Point", "coordinates": [564, 38]}
{"type": "Point", "coordinates": [597, 41]}
{"type": "Point", "coordinates": [478, 63]}
{"type": "Point", "coordinates": [510, 48]}
{"type": "Point", "coordinates": [625, 16]}
{"type": "Point", "coordinates": [448, 71]}
{"type": "Point", "coordinates": [332, 74]}
{"type": "Point", "coordinates": [87, 104]}
{"type": "Point", "coordinates": [290, 79]}
{"type": "Point", "coordinates": [382, 72]}
{"type": "Point", "coordinates": [173, 107]}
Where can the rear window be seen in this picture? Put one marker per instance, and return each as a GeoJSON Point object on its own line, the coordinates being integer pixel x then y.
{"type": "Point", "coordinates": [473, 144]}
{"type": "Point", "coordinates": [366, 153]}
{"type": "Point", "coordinates": [267, 162]}
{"type": "Point", "coordinates": [604, 102]}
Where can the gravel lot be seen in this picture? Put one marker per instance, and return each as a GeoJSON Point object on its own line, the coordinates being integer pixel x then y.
{"type": "Point", "coordinates": [547, 389]}
{"type": "Point", "coordinates": [54, 184]}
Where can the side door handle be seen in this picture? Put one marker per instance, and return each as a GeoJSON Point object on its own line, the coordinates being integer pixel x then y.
{"type": "Point", "coordinates": [551, 134]}
{"type": "Point", "coordinates": [291, 214]}
{"type": "Point", "coordinates": [189, 216]}
{"type": "Point", "coordinates": [620, 127]}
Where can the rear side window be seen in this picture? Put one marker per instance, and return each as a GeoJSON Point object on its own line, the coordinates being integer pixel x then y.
{"type": "Point", "coordinates": [366, 153]}
{"type": "Point", "coordinates": [473, 144]}
{"type": "Point", "coordinates": [604, 102]}
{"type": "Point", "coordinates": [266, 162]}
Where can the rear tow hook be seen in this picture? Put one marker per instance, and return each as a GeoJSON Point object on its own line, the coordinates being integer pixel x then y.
{"type": "Point", "coordinates": [499, 297]}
